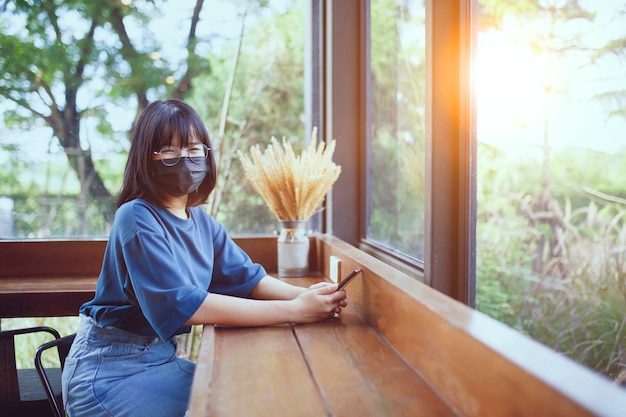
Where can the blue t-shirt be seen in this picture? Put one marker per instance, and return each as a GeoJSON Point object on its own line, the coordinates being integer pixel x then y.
{"type": "Point", "coordinates": [158, 268]}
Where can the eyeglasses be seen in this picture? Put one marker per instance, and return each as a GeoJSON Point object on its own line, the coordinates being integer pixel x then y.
{"type": "Point", "coordinates": [170, 155]}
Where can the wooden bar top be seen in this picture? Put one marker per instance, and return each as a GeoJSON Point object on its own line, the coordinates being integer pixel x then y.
{"type": "Point", "coordinates": [54, 278]}
{"type": "Point", "coordinates": [44, 296]}
{"type": "Point", "coordinates": [337, 367]}
{"type": "Point", "coordinates": [42, 285]}
{"type": "Point", "coordinates": [48, 278]}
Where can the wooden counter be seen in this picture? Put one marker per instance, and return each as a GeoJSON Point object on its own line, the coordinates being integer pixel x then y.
{"type": "Point", "coordinates": [48, 278]}
{"type": "Point", "coordinates": [45, 296]}
{"type": "Point", "coordinates": [399, 349]}
{"type": "Point", "coordinates": [337, 367]}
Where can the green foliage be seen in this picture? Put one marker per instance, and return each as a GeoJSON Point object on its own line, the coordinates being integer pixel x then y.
{"type": "Point", "coordinates": [585, 318]}
{"type": "Point", "coordinates": [266, 99]}
{"type": "Point", "coordinates": [576, 303]}
{"type": "Point", "coordinates": [26, 345]}
{"type": "Point", "coordinates": [493, 12]}
{"type": "Point", "coordinates": [396, 211]}
{"type": "Point", "coordinates": [75, 66]}
{"type": "Point", "coordinates": [550, 232]}
{"type": "Point", "coordinates": [40, 216]}
{"type": "Point", "coordinates": [396, 171]}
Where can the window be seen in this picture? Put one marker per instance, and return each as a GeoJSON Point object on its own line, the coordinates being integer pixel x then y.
{"type": "Point", "coordinates": [396, 119]}
{"type": "Point", "coordinates": [438, 35]}
{"type": "Point", "coordinates": [551, 208]}
{"type": "Point", "coordinates": [64, 143]}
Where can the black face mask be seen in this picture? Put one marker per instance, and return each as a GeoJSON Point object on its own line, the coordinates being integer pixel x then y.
{"type": "Point", "coordinates": [180, 179]}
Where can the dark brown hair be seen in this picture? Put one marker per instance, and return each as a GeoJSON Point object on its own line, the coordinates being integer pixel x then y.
{"type": "Point", "coordinates": [157, 125]}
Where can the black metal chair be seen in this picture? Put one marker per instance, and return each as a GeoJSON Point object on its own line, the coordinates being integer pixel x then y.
{"type": "Point", "coordinates": [48, 376]}
{"type": "Point", "coordinates": [21, 393]}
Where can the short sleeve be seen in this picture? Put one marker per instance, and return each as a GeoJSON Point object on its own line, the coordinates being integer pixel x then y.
{"type": "Point", "coordinates": [234, 273]}
{"type": "Point", "coordinates": [167, 295]}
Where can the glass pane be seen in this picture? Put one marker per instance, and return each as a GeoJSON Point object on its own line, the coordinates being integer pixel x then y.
{"type": "Point", "coordinates": [396, 118]}
{"type": "Point", "coordinates": [551, 227]}
{"type": "Point", "coordinates": [64, 126]}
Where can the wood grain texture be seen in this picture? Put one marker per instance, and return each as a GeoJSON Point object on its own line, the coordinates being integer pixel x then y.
{"type": "Point", "coordinates": [400, 348]}
{"type": "Point", "coordinates": [358, 374]}
{"type": "Point", "coordinates": [54, 278]}
{"type": "Point", "coordinates": [261, 372]}
{"type": "Point", "coordinates": [481, 367]}
{"type": "Point", "coordinates": [199, 404]}
{"type": "Point", "coordinates": [38, 258]}
{"type": "Point", "coordinates": [336, 367]}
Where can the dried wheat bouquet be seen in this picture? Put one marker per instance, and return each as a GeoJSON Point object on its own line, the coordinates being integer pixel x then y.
{"type": "Point", "coordinates": [293, 186]}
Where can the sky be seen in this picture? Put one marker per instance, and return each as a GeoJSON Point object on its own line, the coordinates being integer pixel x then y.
{"type": "Point", "coordinates": [513, 112]}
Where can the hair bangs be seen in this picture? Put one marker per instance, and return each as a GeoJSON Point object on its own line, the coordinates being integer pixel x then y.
{"type": "Point", "coordinates": [181, 129]}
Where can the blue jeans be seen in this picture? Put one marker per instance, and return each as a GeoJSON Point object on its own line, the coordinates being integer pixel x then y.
{"type": "Point", "coordinates": [111, 372]}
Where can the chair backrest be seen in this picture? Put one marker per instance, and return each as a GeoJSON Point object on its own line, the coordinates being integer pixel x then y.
{"type": "Point", "coordinates": [9, 389]}
{"type": "Point", "coordinates": [63, 346]}
{"type": "Point", "coordinates": [9, 384]}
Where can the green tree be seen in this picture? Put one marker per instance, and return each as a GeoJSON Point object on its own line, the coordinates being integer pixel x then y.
{"type": "Point", "coordinates": [396, 158]}
{"type": "Point", "coordinates": [254, 91]}
{"type": "Point", "coordinates": [550, 231]}
{"type": "Point", "coordinates": [63, 62]}
{"type": "Point", "coordinates": [553, 40]}
{"type": "Point", "coordinates": [66, 64]}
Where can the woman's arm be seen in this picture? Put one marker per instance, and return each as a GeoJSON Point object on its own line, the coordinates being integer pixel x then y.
{"type": "Point", "coordinates": [309, 306]}
{"type": "Point", "coordinates": [270, 288]}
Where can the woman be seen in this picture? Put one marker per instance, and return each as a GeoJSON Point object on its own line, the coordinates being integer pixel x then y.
{"type": "Point", "coordinates": [169, 265]}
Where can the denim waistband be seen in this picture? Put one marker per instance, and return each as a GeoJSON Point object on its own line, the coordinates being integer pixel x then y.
{"type": "Point", "coordinates": [90, 328]}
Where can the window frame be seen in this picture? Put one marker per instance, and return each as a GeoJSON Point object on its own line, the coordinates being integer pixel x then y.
{"type": "Point", "coordinates": [336, 101]}
{"type": "Point", "coordinates": [450, 203]}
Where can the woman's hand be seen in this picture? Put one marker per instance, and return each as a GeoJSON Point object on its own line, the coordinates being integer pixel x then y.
{"type": "Point", "coordinates": [318, 302]}
{"type": "Point", "coordinates": [320, 285]}
{"type": "Point", "coordinates": [343, 303]}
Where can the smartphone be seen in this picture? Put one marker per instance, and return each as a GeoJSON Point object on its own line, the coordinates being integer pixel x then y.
{"type": "Point", "coordinates": [347, 279]}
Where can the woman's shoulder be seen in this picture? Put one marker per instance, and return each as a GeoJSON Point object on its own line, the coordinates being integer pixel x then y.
{"type": "Point", "coordinates": [136, 206]}
{"type": "Point", "coordinates": [137, 214]}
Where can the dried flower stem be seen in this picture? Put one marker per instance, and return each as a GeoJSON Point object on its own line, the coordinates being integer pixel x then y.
{"type": "Point", "coordinates": [292, 186]}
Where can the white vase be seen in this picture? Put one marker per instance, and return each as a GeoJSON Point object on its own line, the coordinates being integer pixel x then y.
{"type": "Point", "coordinates": [293, 248]}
